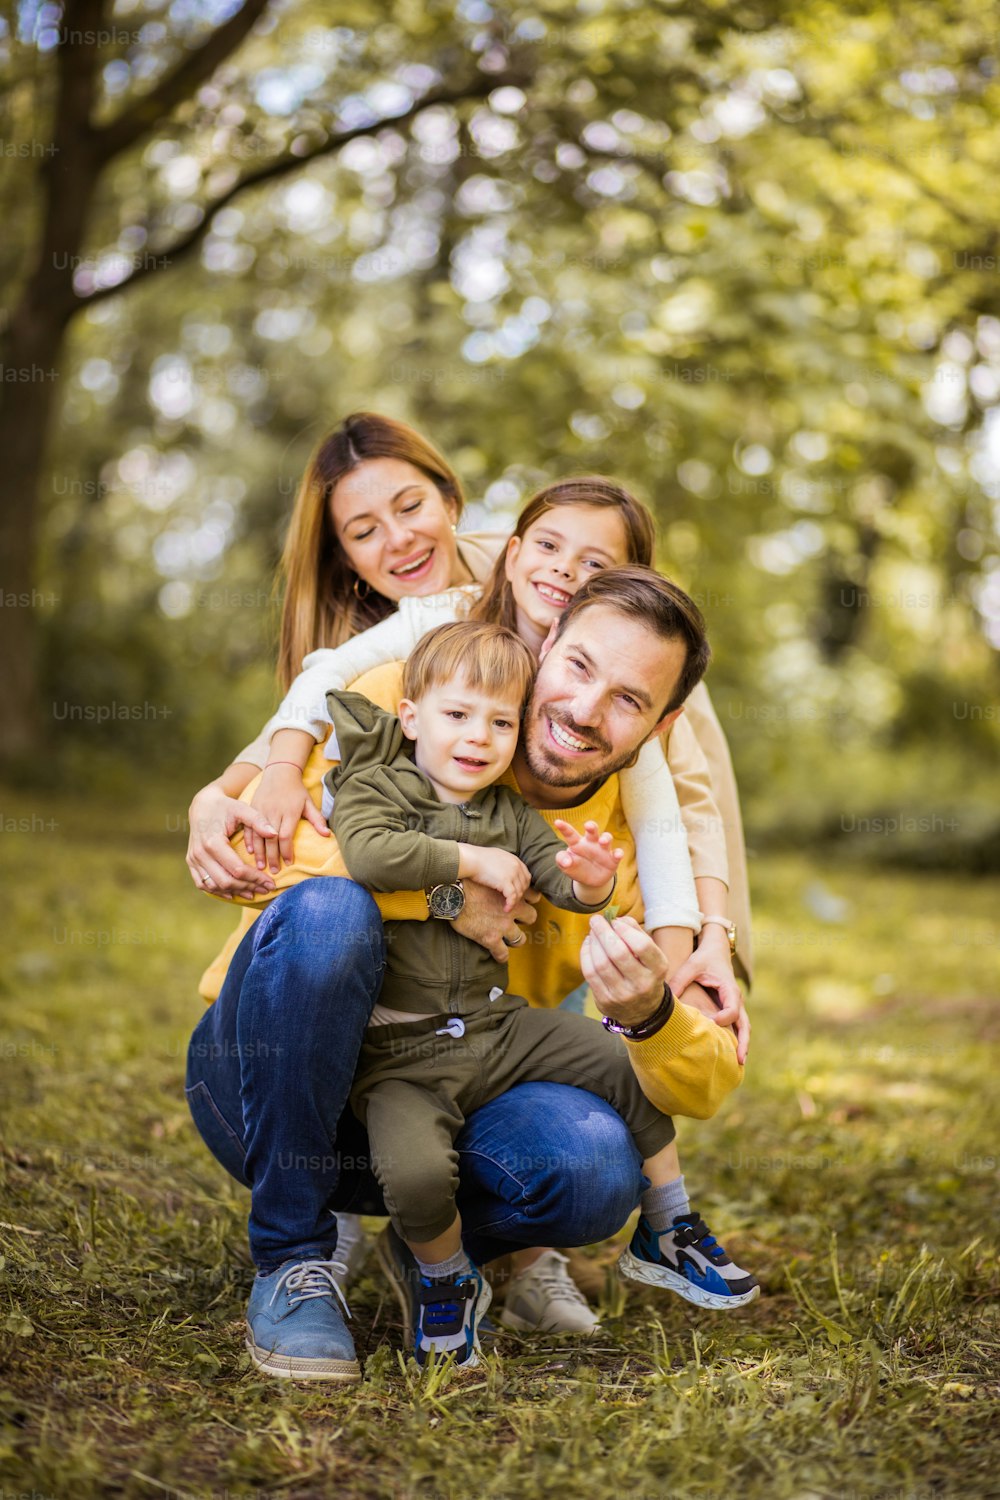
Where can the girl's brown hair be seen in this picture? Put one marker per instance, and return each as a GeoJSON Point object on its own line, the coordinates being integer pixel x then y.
{"type": "Point", "coordinates": [320, 607]}
{"type": "Point", "coordinates": [497, 602]}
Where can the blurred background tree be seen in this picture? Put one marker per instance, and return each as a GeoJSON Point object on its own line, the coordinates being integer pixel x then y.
{"type": "Point", "coordinates": [741, 256]}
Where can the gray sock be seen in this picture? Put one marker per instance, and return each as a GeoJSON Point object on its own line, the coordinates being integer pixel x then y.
{"type": "Point", "coordinates": [662, 1205]}
{"type": "Point", "coordinates": [445, 1270]}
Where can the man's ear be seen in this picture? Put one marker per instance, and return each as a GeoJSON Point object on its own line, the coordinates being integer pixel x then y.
{"type": "Point", "coordinates": [665, 722]}
{"type": "Point", "coordinates": [549, 641]}
{"type": "Point", "coordinates": [407, 713]}
{"type": "Point", "coordinates": [510, 556]}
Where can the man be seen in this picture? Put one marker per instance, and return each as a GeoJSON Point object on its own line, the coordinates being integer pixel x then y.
{"type": "Point", "coordinates": [272, 1060]}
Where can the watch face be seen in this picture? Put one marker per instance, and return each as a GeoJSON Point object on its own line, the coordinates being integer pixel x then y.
{"type": "Point", "coordinates": [447, 901]}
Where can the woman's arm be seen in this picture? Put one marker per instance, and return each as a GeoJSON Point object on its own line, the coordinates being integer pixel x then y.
{"type": "Point", "coordinates": [214, 818]}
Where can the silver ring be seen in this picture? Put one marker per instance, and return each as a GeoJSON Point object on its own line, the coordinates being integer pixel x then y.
{"type": "Point", "coordinates": [512, 943]}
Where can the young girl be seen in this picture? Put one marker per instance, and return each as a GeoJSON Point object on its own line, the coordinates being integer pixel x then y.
{"type": "Point", "coordinates": [566, 532]}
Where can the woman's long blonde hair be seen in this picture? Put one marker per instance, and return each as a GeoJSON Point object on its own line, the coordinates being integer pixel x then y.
{"type": "Point", "coordinates": [497, 601]}
{"type": "Point", "coordinates": [320, 607]}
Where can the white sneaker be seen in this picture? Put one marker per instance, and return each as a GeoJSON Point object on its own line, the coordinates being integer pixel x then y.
{"type": "Point", "coordinates": [546, 1299]}
{"type": "Point", "coordinates": [353, 1246]}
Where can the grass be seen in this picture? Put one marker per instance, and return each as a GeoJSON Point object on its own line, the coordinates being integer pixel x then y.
{"type": "Point", "coordinates": [855, 1172]}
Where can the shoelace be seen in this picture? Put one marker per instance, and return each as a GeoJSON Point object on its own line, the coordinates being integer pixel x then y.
{"type": "Point", "coordinates": [311, 1278]}
{"type": "Point", "coordinates": [555, 1280]}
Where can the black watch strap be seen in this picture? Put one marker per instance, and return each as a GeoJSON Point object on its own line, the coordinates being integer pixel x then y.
{"type": "Point", "coordinates": [650, 1026]}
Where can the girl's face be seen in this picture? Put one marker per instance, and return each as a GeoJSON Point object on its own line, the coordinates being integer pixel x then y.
{"type": "Point", "coordinates": [395, 527]}
{"type": "Point", "coordinates": [555, 557]}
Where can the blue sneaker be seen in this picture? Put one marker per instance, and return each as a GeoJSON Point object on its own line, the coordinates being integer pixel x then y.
{"type": "Point", "coordinates": [296, 1330]}
{"type": "Point", "coordinates": [403, 1275]}
{"type": "Point", "coordinates": [687, 1259]}
{"type": "Point", "coordinates": [448, 1319]}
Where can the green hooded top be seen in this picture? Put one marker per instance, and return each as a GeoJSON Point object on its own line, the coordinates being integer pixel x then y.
{"type": "Point", "coordinates": [395, 834]}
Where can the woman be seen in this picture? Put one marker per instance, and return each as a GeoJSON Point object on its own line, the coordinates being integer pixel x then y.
{"type": "Point", "coordinates": [375, 520]}
{"type": "Point", "coordinates": [365, 538]}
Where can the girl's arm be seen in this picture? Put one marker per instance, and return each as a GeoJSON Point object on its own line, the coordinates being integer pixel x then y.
{"type": "Point", "coordinates": [653, 814]}
{"type": "Point", "coordinates": [711, 964]}
{"type": "Point", "coordinates": [706, 832]}
{"type": "Point", "coordinates": [335, 668]}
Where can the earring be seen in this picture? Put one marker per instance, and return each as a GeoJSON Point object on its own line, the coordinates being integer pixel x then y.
{"type": "Point", "coordinates": [454, 529]}
{"type": "Point", "coordinates": [357, 592]}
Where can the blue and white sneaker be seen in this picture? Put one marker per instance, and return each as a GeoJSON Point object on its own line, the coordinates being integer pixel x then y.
{"type": "Point", "coordinates": [403, 1275]}
{"type": "Point", "coordinates": [687, 1259]}
{"type": "Point", "coordinates": [295, 1328]}
{"type": "Point", "coordinates": [448, 1318]}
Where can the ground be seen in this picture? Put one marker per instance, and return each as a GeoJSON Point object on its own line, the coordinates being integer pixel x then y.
{"type": "Point", "coordinates": [855, 1172]}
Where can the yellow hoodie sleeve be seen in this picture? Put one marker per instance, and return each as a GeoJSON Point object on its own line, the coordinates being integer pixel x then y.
{"type": "Point", "coordinates": [689, 1066]}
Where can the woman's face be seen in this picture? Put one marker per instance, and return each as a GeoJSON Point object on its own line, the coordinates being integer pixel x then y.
{"type": "Point", "coordinates": [556, 556]}
{"type": "Point", "coordinates": [395, 527]}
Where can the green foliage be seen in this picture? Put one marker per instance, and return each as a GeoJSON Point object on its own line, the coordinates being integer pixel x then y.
{"type": "Point", "coordinates": [743, 258]}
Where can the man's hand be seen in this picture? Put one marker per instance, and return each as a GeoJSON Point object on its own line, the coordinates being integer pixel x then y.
{"type": "Point", "coordinates": [625, 969]}
{"type": "Point", "coordinates": [588, 858]}
{"type": "Point", "coordinates": [484, 921]}
{"type": "Point", "coordinates": [215, 866]}
{"type": "Point", "coordinates": [711, 966]}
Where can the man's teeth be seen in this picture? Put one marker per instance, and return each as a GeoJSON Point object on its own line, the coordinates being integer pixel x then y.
{"type": "Point", "coordinates": [413, 566]}
{"type": "Point", "coordinates": [568, 741]}
{"type": "Point", "coordinates": [558, 596]}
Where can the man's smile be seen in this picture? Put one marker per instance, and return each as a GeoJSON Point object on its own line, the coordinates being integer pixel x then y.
{"type": "Point", "coordinates": [566, 741]}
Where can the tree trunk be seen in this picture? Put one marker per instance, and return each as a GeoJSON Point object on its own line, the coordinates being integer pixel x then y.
{"type": "Point", "coordinates": [26, 403]}
{"type": "Point", "coordinates": [29, 370]}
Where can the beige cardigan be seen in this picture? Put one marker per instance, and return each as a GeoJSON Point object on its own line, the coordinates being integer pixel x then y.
{"type": "Point", "coordinates": [699, 760]}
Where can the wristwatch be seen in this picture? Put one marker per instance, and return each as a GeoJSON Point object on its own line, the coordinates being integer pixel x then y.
{"type": "Point", "coordinates": [446, 901]}
{"type": "Point", "coordinates": [650, 1026]}
{"type": "Point", "coordinates": [729, 926]}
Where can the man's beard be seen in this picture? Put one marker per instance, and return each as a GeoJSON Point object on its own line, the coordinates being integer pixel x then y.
{"type": "Point", "coordinates": [548, 768]}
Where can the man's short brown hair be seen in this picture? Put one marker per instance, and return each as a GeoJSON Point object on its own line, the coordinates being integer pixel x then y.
{"type": "Point", "coordinates": [489, 658]}
{"type": "Point", "coordinates": [643, 594]}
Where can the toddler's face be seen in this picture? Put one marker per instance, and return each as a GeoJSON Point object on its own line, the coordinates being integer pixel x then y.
{"type": "Point", "coordinates": [465, 738]}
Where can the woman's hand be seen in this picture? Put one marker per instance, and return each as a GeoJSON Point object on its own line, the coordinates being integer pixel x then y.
{"type": "Point", "coordinates": [213, 819]}
{"type": "Point", "coordinates": [282, 800]}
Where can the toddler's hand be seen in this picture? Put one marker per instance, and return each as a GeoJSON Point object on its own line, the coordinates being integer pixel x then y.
{"type": "Point", "coordinates": [589, 859]}
{"type": "Point", "coordinates": [500, 870]}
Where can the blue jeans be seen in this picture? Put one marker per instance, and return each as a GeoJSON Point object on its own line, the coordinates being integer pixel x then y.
{"type": "Point", "coordinates": [270, 1067]}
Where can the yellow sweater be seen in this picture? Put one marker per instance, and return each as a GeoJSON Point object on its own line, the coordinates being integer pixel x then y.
{"type": "Point", "coordinates": [687, 1068]}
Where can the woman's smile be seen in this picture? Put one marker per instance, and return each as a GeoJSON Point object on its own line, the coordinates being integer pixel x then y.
{"type": "Point", "coordinates": [415, 566]}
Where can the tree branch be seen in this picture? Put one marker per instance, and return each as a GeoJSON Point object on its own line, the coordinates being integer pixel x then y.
{"type": "Point", "coordinates": [478, 88]}
{"type": "Point", "coordinates": [199, 64]}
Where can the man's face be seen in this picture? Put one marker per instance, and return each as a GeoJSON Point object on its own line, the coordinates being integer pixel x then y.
{"type": "Point", "coordinates": [598, 696]}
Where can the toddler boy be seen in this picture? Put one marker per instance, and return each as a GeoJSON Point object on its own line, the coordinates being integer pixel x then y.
{"type": "Point", "coordinates": [416, 806]}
